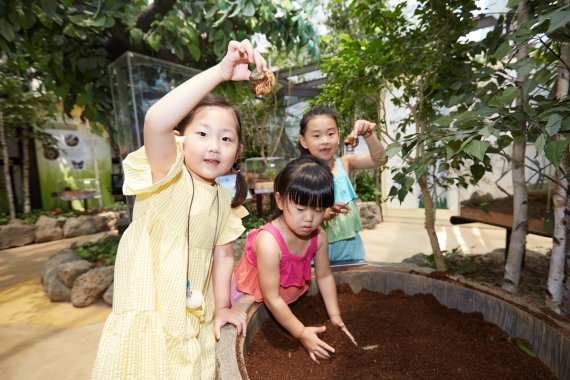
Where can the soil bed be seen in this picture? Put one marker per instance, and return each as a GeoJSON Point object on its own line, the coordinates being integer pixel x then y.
{"type": "Point", "coordinates": [400, 337]}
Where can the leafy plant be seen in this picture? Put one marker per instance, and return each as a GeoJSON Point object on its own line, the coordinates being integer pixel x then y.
{"type": "Point", "coordinates": [103, 250]}
{"type": "Point", "coordinates": [251, 222]}
{"type": "Point", "coordinates": [366, 188]}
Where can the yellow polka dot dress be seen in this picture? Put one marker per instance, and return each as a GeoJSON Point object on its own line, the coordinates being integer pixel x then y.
{"type": "Point", "coordinates": [151, 334]}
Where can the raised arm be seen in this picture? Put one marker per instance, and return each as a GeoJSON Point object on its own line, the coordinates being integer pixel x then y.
{"type": "Point", "coordinates": [369, 160]}
{"type": "Point", "coordinates": [163, 117]}
{"type": "Point", "coordinates": [268, 257]}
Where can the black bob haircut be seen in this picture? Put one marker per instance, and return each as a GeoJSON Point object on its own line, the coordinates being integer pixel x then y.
{"type": "Point", "coordinates": [307, 181]}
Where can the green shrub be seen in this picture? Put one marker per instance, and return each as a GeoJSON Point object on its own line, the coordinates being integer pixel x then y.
{"type": "Point", "coordinates": [365, 185]}
{"type": "Point", "coordinates": [103, 250]}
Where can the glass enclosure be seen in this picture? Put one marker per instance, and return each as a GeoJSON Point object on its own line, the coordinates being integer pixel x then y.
{"type": "Point", "coordinates": [137, 82]}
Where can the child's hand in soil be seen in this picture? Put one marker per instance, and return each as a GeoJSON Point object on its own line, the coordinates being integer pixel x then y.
{"type": "Point", "coordinates": [334, 210]}
{"type": "Point", "coordinates": [337, 321]}
{"type": "Point", "coordinates": [315, 346]}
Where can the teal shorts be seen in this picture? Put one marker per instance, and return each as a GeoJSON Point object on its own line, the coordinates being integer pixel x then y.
{"type": "Point", "coordinates": [348, 249]}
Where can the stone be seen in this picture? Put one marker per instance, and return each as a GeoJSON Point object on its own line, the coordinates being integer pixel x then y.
{"type": "Point", "coordinates": [50, 267]}
{"type": "Point", "coordinates": [82, 225]}
{"type": "Point", "coordinates": [90, 285]}
{"type": "Point", "coordinates": [370, 214]}
{"type": "Point", "coordinates": [56, 290]}
{"type": "Point", "coordinates": [69, 271]}
{"type": "Point", "coordinates": [108, 295]}
{"type": "Point", "coordinates": [105, 221]}
{"type": "Point", "coordinates": [16, 234]}
{"type": "Point", "coordinates": [48, 229]}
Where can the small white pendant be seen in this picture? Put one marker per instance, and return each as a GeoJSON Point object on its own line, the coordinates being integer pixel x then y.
{"type": "Point", "coordinates": [194, 299]}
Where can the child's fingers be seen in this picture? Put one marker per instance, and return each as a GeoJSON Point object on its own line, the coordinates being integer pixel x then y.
{"type": "Point", "coordinates": [260, 62]}
{"type": "Point", "coordinates": [249, 51]}
{"type": "Point", "coordinates": [312, 355]}
{"type": "Point", "coordinates": [345, 330]}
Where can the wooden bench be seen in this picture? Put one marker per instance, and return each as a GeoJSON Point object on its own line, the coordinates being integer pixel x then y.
{"type": "Point", "coordinates": [471, 215]}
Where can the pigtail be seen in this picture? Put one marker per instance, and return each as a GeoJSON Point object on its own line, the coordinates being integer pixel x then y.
{"type": "Point", "coordinates": [241, 187]}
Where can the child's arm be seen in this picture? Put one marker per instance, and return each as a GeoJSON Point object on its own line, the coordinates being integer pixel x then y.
{"type": "Point", "coordinates": [375, 148]}
{"type": "Point", "coordinates": [163, 117]}
{"type": "Point", "coordinates": [268, 258]}
{"type": "Point", "coordinates": [327, 284]}
{"type": "Point", "coordinates": [221, 277]}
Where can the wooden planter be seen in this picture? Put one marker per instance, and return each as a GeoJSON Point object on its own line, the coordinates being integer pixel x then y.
{"type": "Point", "coordinates": [548, 335]}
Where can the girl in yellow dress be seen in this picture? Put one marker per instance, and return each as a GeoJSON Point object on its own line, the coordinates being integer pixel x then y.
{"type": "Point", "coordinates": [174, 263]}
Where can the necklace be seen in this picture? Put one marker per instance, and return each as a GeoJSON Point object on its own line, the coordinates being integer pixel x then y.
{"type": "Point", "coordinates": [195, 299]}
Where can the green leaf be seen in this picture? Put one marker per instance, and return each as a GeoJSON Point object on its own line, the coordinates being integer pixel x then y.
{"type": "Point", "coordinates": [249, 10]}
{"type": "Point", "coordinates": [153, 40]}
{"type": "Point", "coordinates": [195, 52]}
{"type": "Point", "coordinates": [477, 171]}
{"type": "Point", "coordinates": [565, 125]}
{"type": "Point", "coordinates": [443, 121]}
{"type": "Point", "coordinates": [558, 20]}
{"type": "Point", "coordinates": [137, 35]}
{"type": "Point", "coordinates": [477, 149]}
{"type": "Point", "coordinates": [7, 31]}
{"type": "Point", "coordinates": [502, 51]}
{"type": "Point", "coordinates": [392, 149]}
{"type": "Point", "coordinates": [553, 124]}
{"type": "Point", "coordinates": [540, 143]}
{"type": "Point", "coordinates": [555, 150]}
{"type": "Point", "coordinates": [509, 94]}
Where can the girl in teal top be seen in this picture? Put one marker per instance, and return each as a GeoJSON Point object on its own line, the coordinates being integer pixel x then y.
{"type": "Point", "coordinates": [320, 137]}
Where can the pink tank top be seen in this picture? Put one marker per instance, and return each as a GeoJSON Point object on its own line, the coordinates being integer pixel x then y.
{"type": "Point", "coordinates": [295, 271]}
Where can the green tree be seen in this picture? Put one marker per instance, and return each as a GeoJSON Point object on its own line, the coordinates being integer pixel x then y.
{"type": "Point", "coordinates": [423, 63]}
{"type": "Point", "coordinates": [25, 113]}
{"type": "Point", "coordinates": [519, 99]}
{"type": "Point", "coordinates": [70, 43]}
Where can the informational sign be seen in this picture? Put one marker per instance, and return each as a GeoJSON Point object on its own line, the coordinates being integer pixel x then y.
{"type": "Point", "coordinates": [70, 166]}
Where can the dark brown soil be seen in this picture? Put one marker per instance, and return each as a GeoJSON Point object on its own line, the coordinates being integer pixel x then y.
{"type": "Point", "coordinates": [400, 337]}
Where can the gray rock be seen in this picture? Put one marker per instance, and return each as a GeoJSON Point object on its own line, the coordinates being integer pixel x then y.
{"type": "Point", "coordinates": [419, 259]}
{"type": "Point", "coordinates": [82, 225]}
{"type": "Point", "coordinates": [370, 214]}
{"type": "Point", "coordinates": [56, 290]}
{"type": "Point", "coordinates": [69, 271]}
{"type": "Point", "coordinates": [50, 267]}
{"type": "Point", "coordinates": [108, 295]}
{"type": "Point", "coordinates": [89, 286]}
{"type": "Point", "coordinates": [16, 234]}
{"type": "Point", "coordinates": [48, 229]}
{"type": "Point", "coordinates": [106, 221]}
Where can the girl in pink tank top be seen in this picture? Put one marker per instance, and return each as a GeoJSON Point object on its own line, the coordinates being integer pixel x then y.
{"type": "Point", "coordinates": [276, 265]}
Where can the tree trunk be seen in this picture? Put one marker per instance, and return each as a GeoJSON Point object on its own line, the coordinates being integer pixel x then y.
{"type": "Point", "coordinates": [26, 170]}
{"type": "Point", "coordinates": [95, 166]}
{"type": "Point", "coordinates": [7, 179]}
{"type": "Point", "coordinates": [430, 211]}
{"type": "Point", "coordinates": [520, 195]}
{"type": "Point", "coordinates": [560, 246]}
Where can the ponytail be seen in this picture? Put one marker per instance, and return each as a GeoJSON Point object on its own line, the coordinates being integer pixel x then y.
{"type": "Point", "coordinates": [241, 188]}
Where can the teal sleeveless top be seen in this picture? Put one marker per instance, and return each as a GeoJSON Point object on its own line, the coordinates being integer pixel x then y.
{"type": "Point", "coordinates": [343, 226]}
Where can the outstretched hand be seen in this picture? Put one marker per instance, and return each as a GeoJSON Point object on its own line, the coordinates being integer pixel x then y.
{"type": "Point", "coordinates": [233, 316]}
{"type": "Point", "coordinates": [334, 210]}
{"type": "Point", "coordinates": [363, 128]}
{"type": "Point", "coordinates": [234, 66]}
{"type": "Point", "coordinates": [337, 321]}
{"type": "Point", "coordinates": [314, 345]}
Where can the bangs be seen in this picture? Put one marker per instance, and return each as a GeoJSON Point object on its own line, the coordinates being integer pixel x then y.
{"type": "Point", "coordinates": [312, 189]}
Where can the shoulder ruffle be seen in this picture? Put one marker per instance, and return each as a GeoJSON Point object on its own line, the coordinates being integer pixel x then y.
{"type": "Point", "coordinates": [234, 227]}
{"type": "Point", "coordinates": [138, 176]}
